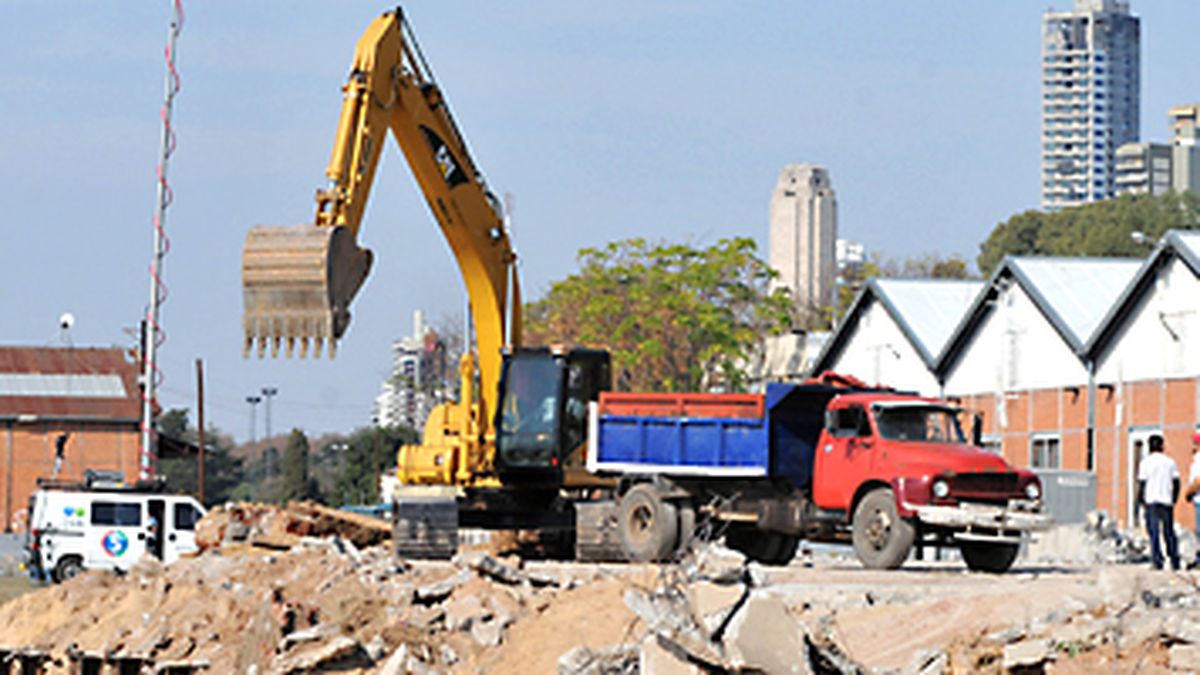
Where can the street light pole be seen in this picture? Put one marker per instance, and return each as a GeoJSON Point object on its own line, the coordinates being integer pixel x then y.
{"type": "Point", "coordinates": [253, 401]}
{"type": "Point", "coordinates": [268, 393]}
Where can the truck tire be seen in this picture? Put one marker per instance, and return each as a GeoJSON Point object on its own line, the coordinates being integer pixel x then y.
{"type": "Point", "coordinates": [647, 525]}
{"type": "Point", "coordinates": [995, 558]}
{"type": "Point", "coordinates": [687, 528]}
{"type": "Point", "coordinates": [882, 539]}
{"type": "Point", "coordinates": [68, 568]}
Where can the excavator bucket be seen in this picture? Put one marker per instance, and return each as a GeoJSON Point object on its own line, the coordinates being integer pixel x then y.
{"type": "Point", "coordinates": [297, 284]}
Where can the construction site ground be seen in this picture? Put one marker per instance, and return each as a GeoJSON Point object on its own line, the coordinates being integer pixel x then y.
{"type": "Point", "coordinates": [318, 603]}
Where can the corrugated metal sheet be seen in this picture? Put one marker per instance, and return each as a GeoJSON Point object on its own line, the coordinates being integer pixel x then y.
{"type": "Point", "coordinates": [1078, 290]}
{"type": "Point", "coordinates": [68, 383]}
{"type": "Point", "coordinates": [929, 308]}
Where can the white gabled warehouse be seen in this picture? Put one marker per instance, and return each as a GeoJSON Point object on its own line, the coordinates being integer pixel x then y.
{"type": "Point", "coordinates": [895, 330]}
{"type": "Point", "coordinates": [1146, 356]}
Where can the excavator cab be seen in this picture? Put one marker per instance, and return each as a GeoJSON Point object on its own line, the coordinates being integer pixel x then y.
{"type": "Point", "coordinates": [542, 416]}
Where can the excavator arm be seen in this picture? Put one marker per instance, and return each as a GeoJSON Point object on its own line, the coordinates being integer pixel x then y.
{"type": "Point", "coordinates": [298, 282]}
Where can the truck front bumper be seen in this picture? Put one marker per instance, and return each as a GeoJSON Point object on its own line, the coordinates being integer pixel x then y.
{"type": "Point", "coordinates": [984, 522]}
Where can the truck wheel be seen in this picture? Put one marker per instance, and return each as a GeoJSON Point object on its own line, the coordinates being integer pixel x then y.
{"type": "Point", "coordinates": [882, 539]}
{"type": "Point", "coordinates": [68, 568]}
{"type": "Point", "coordinates": [786, 549]}
{"type": "Point", "coordinates": [687, 528]}
{"type": "Point", "coordinates": [647, 525]}
{"type": "Point", "coordinates": [994, 558]}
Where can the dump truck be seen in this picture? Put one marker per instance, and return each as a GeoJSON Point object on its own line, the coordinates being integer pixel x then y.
{"type": "Point", "coordinates": [824, 460]}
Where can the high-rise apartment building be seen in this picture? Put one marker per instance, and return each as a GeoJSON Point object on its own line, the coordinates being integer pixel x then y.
{"type": "Point", "coordinates": [1143, 169]}
{"type": "Point", "coordinates": [1155, 168]}
{"type": "Point", "coordinates": [415, 383]}
{"type": "Point", "coordinates": [1185, 151]}
{"type": "Point", "coordinates": [803, 234]}
{"type": "Point", "coordinates": [1090, 99]}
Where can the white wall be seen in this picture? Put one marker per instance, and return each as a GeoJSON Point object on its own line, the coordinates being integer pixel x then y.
{"type": "Point", "coordinates": [1152, 341]}
{"type": "Point", "coordinates": [1014, 348]}
{"type": "Point", "coordinates": [878, 352]}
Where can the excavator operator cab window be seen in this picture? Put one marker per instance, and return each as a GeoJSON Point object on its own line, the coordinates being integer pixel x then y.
{"type": "Point", "coordinates": [529, 410]}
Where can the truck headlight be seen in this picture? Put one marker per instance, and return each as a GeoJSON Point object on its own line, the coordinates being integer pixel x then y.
{"type": "Point", "coordinates": [941, 489]}
{"type": "Point", "coordinates": [1033, 490]}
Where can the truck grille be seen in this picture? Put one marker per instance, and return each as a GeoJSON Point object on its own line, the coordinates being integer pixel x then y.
{"type": "Point", "coordinates": [985, 485]}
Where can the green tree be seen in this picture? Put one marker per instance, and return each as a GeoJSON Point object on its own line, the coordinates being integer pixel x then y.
{"type": "Point", "coordinates": [222, 471]}
{"type": "Point", "coordinates": [367, 453]}
{"type": "Point", "coordinates": [674, 318]}
{"type": "Point", "coordinates": [1102, 228]}
{"type": "Point", "coordinates": [296, 483]}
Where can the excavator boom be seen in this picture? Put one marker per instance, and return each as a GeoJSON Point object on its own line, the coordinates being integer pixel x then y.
{"type": "Point", "coordinates": [298, 282]}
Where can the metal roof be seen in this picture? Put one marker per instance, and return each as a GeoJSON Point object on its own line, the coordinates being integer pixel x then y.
{"type": "Point", "coordinates": [76, 383]}
{"type": "Point", "coordinates": [1175, 243]}
{"type": "Point", "coordinates": [1074, 294]}
{"type": "Point", "coordinates": [925, 310]}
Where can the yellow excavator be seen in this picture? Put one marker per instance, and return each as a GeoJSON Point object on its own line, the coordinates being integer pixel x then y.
{"type": "Point", "coordinates": [509, 453]}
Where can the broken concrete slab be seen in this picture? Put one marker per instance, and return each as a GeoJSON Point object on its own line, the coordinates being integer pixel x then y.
{"type": "Point", "coordinates": [464, 611]}
{"type": "Point", "coordinates": [440, 590]}
{"type": "Point", "coordinates": [619, 659]}
{"type": "Point", "coordinates": [713, 604]}
{"type": "Point", "coordinates": [657, 659]}
{"type": "Point", "coordinates": [1027, 654]}
{"type": "Point", "coordinates": [486, 633]}
{"type": "Point", "coordinates": [336, 652]}
{"type": "Point", "coordinates": [762, 635]}
{"type": "Point", "coordinates": [1184, 658]}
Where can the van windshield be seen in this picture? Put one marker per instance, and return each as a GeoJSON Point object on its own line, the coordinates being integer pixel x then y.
{"type": "Point", "coordinates": [924, 423]}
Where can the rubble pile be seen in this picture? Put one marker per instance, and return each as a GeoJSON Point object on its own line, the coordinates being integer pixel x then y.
{"type": "Point", "coordinates": [278, 527]}
{"type": "Point", "coordinates": [1150, 623]}
{"type": "Point", "coordinates": [290, 589]}
{"type": "Point", "coordinates": [1099, 540]}
{"type": "Point", "coordinates": [248, 604]}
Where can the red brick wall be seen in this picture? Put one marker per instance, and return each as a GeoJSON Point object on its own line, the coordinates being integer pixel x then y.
{"type": "Point", "coordinates": [90, 446]}
{"type": "Point", "coordinates": [1166, 405]}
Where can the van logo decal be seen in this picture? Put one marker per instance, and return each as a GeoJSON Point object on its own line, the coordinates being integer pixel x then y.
{"type": "Point", "coordinates": [115, 543]}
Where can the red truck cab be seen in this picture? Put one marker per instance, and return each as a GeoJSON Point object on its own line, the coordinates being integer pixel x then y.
{"type": "Point", "coordinates": [900, 467]}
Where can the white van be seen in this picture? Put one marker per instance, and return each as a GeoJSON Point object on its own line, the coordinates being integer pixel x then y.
{"type": "Point", "coordinates": [110, 526]}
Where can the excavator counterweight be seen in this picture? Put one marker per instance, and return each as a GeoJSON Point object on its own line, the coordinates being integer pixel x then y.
{"type": "Point", "coordinates": [297, 284]}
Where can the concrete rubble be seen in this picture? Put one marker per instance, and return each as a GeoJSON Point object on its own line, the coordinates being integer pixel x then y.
{"type": "Point", "coordinates": [301, 588]}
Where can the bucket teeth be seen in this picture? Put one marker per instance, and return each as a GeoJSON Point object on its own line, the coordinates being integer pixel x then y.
{"type": "Point", "coordinates": [297, 284]}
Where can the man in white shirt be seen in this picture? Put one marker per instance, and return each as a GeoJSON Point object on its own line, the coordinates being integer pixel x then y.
{"type": "Point", "coordinates": [1158, 489]}
{"type": "Point", "coordinates": [1193, 490]}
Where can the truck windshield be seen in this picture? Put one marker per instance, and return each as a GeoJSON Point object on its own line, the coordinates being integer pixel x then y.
{"type": "Point", "coordinates": [929, 424]}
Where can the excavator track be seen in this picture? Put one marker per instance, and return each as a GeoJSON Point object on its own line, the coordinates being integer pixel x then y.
{"type": "Point", "coordinates": [297, 284]}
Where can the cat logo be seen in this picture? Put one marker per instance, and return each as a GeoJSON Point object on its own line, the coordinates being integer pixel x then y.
{"type": "Point", "coordinates": [452, 173]}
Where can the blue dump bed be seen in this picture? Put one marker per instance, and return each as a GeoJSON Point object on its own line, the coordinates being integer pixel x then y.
{"type": "Point", "coordinates": [710, 435]}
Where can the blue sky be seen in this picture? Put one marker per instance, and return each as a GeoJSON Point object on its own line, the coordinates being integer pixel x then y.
{"type": "Point", "coordinates": [669, 120]}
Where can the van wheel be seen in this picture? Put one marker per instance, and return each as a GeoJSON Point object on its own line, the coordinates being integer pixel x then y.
{"type": "Point", "coordinates": [994, 558]}
{"type": "Point", "coordinates": [882, 539]}
{"type": "Point", "coordinates": [647, 525]}
{"type": "Point", "coordinates": [68, 568]}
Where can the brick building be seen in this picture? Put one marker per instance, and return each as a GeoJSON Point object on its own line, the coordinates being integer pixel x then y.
{"type": "Point", "coordinates": [89, 394]}
{"type": "Point", "coordinates": [1072, 362]}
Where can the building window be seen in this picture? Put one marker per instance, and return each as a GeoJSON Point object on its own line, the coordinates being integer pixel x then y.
{"type": "Point", "coordinates": [1044, 452]}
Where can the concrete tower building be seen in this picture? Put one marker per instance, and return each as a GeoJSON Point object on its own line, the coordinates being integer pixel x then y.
{"type": "Point", "coordinates": [803, 236]}
{"type": "Point", "coordinates": [1090, 99]}
{"type": "Point", "coordinates": [1185, 149]}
